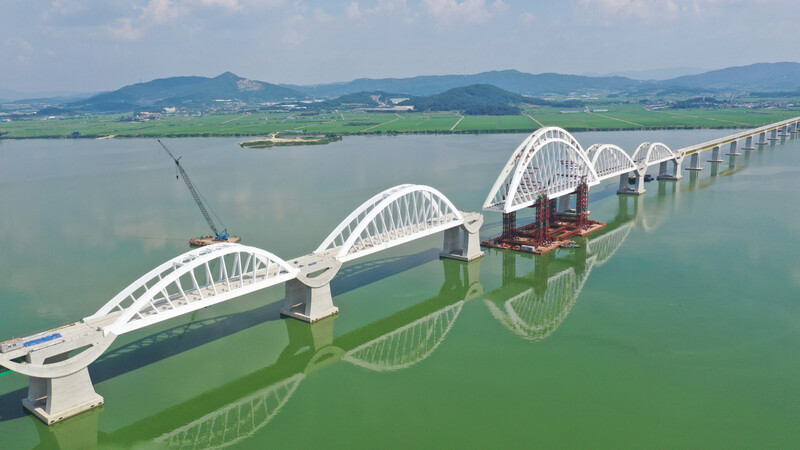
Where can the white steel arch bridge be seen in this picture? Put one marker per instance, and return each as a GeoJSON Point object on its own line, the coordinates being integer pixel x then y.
{"type": "Point", "coordinates": [60, 386]}
{"type": "Point", "coordinates": [552, 162]}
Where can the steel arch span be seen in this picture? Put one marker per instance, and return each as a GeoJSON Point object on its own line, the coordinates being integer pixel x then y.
{"type": "Point", "coordinates": [393, 217]}
{"type": "Point", "coordinates": [194, 280]}
{"type": "Point", "coordinates": [550, 161]}
{"type": "Point", "coordinates": [648, 154]}
{"type": "Point", "coordinates": [609, 160]}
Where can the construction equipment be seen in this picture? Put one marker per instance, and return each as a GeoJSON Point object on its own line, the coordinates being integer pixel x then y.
{"type": "Point", "coordinates": [207, 240]}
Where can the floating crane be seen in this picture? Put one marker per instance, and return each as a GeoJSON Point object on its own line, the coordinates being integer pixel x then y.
{"type": "Point", "coordinates": [208, 240]}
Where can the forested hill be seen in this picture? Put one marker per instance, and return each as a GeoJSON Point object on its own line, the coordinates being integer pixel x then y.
{"type": "Point", "coordinates": [189, 91]}
{"type": "Point", "coordinates": [759, 77]}
{"type": "Point", "coordinates": [477, 99]}
{"type": "Point", "coordinates": [510, 80]}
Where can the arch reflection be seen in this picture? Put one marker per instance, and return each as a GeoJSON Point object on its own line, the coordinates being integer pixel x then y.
{"type": "Point", "coordinates": [233, 412]}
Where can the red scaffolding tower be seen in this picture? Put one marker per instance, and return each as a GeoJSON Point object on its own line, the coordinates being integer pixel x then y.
{"type": "Point", "coordinates": [542, 232]}
{"type": "Point", "coordinates": [582, 204]}
{"type": "Point", "coordinates": [509, 226]}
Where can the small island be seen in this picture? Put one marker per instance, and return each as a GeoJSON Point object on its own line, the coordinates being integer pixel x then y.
{"type": "Point", "coordinates": [280, 139]}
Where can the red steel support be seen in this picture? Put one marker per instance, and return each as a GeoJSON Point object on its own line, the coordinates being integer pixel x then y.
{"type": "Point", "coordinates": [582, 204]}
{"type": "Point", "coordinates": [509, 225]}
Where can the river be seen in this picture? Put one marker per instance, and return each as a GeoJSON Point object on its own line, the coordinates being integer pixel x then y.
{"type": "Point", "coordinates": [676, 326]}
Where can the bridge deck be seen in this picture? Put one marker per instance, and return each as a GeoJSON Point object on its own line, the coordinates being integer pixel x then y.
{"type": "Point", "coordinates": [708, 145]}
{"type": "Point", "coordinates": [70, 333]}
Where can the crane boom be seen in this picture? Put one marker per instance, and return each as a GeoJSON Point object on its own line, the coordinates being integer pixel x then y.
{"type": "Point", "coordinates": [194, 193]}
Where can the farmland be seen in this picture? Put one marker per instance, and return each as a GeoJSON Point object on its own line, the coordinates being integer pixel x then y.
{"type": "Point", "coordinates": [605, 117]}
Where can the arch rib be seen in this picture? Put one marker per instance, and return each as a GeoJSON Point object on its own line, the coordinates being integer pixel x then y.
{"type": "Point", "coordinates": [394, 216]}
{"type": "Point", "coordinates": [610, 160]}
{"type": "Point", "coordinates": [648, 154]}
{"type": "Point", "coordinates": [187, 283]}
{"type": "Point", "coordinates": [550, 161]}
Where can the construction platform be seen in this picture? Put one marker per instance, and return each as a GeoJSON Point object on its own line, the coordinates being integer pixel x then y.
{"type": "Point", "coordinates": [560, 235]}
{"type": "Point", "coordinates": [208, 240]}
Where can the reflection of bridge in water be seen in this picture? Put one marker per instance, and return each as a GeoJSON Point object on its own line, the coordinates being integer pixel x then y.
{"type": "Point", "coordinates": [396, 342]}
{"type": "Point", "coordinates": [533, 306]}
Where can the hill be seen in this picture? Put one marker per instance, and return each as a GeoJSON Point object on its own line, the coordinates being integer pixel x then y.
{"type": "Point", "coordinates": [188, 91]}
{"type": "Point", "coordinates": [510, 80]}
{"type": "Point", "coordinates": [762, 76]}
{"type": "Point", "coordinates": [477, 99]}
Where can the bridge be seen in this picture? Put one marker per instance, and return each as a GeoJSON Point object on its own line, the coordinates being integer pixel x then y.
{"type": "Point", "coordinates": [550, 166]}
{"type": "Point", "coordinates": [56, 361]}
{"type": "Point", "coordinates": [550, 163]}
{"type": "Point", "coordinates": [532, 305]}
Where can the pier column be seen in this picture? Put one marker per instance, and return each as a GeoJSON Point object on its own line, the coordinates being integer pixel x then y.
{"type": "Point", "coordinates": [59, 385]}
{"type": "Point", "coordinates": [55, 399]}
{"type": "Point", "coordinates": [638, 184]}
{"type": "Point", "coordinates": [732, 151]}
{"type": "Point", "coordinates": [694, 162]}
{"type": "Point", "coordinates": [715, 155]}
{"type": "Point", "coordinates": [662, 170]}
{"type": "Point", "coordinates": [563, 203]}
{"type": "Point", "coordinates": [792, 128]}
{"type": "Point", "coordinates": [773, 135]}
{"type": "Point", "coordinates": [762, 138]}
{"type": "Point", "coordinates": [676, 170]}
{"type": "Point", "coordinates": [463, 243]}
{"type": "Point", "coordinates": [308, 297]}
{"type": "Point", "coordinates": [748, 143]}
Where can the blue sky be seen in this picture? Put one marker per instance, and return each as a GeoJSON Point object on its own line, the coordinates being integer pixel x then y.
{"type": "Point", "coordinates": [95, 45]}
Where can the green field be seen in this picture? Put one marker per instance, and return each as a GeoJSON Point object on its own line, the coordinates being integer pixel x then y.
{"type": "Point", "coordinates": [626, 116]}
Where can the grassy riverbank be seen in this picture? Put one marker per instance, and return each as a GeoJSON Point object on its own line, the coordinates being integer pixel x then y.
{"type": "Point", "coordinates": [612, 117]}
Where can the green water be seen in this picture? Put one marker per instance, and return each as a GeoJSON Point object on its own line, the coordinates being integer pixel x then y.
{"type": "Point", "coordinates": [678, 326]}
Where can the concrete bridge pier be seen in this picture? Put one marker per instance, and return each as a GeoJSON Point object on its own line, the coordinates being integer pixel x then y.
{"type": "Point", "coordinates": [638, 184]}
{"type": "Point", "coordinates": [748, 143]}
{"type": "Point", "coordinates": [676, 170]}
{"type": "Point", "coordinates": [783, 131]}
{"type": "Point", "coordinates": [695, 162]}
{"type": "Point", "coordinates": [59, 385]}
{"type": "Point", "coordinates": [564, 202]}
{"type": "Point", "coordinates": [732, 151]}
{"type": "Point", "coordinates": [773, 135]}
{"type": "Point", "coordinates": [762, 138]}
{"type": "Point", "coordinates": [715, 155]}
{"type": "Point", "coordinates": [463, 243]}
{"type": "Point", "coordinates": [55, 399]}
{"type": "Point", "coordinates": [308, 297]}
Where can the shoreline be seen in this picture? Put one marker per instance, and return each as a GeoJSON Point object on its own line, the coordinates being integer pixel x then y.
{"type": "Point", "coordinates": [380, 133]}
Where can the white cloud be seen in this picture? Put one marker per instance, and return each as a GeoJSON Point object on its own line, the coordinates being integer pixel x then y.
{"type": "Point", "coordinates": [353, 11]}
{"type": "Point", "coordinates": [470, 11]}
{"type": "Point", "coordinates": [527, 19]}
{"type": "Point", "coordinates": [65, 6]}
{"type": "Point", "coordinates": [228, 4]}
{"type": "Point", "coordinates": [125, 31]}
{"type": "Point", "coordinates": [649, 10]}
{"type": "Point", "coordinates": [161, 11]}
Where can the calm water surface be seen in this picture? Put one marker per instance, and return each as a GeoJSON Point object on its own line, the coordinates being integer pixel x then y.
{"type": "Point", "coordinates": [678, 326]}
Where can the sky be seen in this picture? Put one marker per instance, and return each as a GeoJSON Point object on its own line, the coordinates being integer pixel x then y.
{"type": "Point", "coordinates": [99, 45]}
